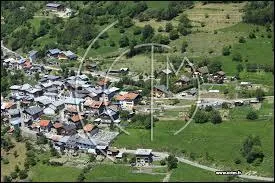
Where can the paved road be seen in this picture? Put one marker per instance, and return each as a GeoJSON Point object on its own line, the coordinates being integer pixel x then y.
{"type": "Point", "coordinates": [162, 155]}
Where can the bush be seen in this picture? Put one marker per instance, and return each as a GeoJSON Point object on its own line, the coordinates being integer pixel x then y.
{"type": "Point", "coordinates": [237, 57]}
{"type": "Point", "coordinates": [252, 35]}
{"type": "Point", "coordinates": [226, 51]}
{"type": "Point", "coordinates": [215, 117]}
{"type": "Point", "coordinates": [162, 162]}
{"type": "Point", "coordinates": [13, 175]}
{"type": "Point", "coordinates": [242, 40]}
{"type": "Point", "coordinates": [23, 174]}
{"type": "Point", "coordinates": [201, 117]}
{"type": "Point", "coordinates": [252, 115]}
{"type": "Point", "coordinates": [6, 161]}
{"type": "Point", "coordinates": [224, 105]}
{"type": "Point", "coordinates": [172, 162]}
{"type": "Point", "coordinates": [173, 34]}
{"type": "Point", "coordinates": [215, 31]}
{"type": "Point", "coordinates": [7, 179]}
{"type": "Point", "coordinates": [206, 15]}
{"type": "Point", "coordinates": [227, 16]}
{"type": "Point", "coordinates": [92, 158]}
{"type": "Point", "coordinates": [237, 161]}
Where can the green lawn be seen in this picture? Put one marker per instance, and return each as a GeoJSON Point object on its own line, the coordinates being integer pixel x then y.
{"type": "Point", "coordinates": [222, 142]}
{"type": "Point", "coordinates": [118, 173]}
{"type": "Point", "coordinates": [45, 173]}
{"type": "Point", "coordinates": [157, 4]}
{"type": "Point", "coordinates": [6, 169]}
{"type": "Point", "coordinates": [188, 173]}
{"type": "Point", "coordinates": [99, 173]}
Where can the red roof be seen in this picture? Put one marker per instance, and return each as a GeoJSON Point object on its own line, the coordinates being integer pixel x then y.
{"type": "Point", "coordinates": [27, 64]}
{"type": "Point", "coordinates": [44, 122]}
{"type": "Point", "coordinates": [76, 118]}
{"type": "Point", "coordinates": [9, 105]}
{"type": "Point", "coordinates": [89, 127]}
{"type": "Point", "coordinates": [57, 125]}
{"type": "Point", "coordinates": [103, 81]}
{"type": "Point", "coordinates": [127, 96]}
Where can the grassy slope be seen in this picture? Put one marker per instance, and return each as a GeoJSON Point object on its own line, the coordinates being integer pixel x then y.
{"type": "Point", "coordinates": [102, 172]}
{"type": "Point", "coordinates": [113, 173]}
{"type": "Point", "coordinates": [222, 142]}
{"type": "Point", "coordinates": [6, 169]}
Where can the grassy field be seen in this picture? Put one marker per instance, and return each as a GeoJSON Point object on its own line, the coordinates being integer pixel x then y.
{"type": "Point", "coordinates": [188, 173]}
{"type": "Point", "coordinates": [222, 142]}
{"type": "Point", "coordinates": [6, 169]}
{"type": "Point", "coordinates": [41, 173]}
{"type": "Point", "coordinates": [117, 173]}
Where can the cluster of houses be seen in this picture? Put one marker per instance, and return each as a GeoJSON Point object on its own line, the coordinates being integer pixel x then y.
{"type": "Point", "coordinates": [73, 112]}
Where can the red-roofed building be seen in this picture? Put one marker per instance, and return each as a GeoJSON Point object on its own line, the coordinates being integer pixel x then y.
{"type": "Point", "coordinates": [57, 128]}
{"type": "Point", "coordinates": [27, 64]}
{"type": "Point", "coordinates": [76, 119]}
{"type": "Point", "coordinates": [128, 100]}
{"type": "Point", "coordinates": [45, 125]}
{"type": "Point", "coordinates": [91, 129]}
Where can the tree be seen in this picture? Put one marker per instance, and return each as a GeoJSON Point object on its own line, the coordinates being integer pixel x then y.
{"type": "Point", "coordinates": [162, 162]}
{"type": "Point", "coordinates": [36, 76]}
{"type": "Point", "coordinates": [259, 94]}
{"type": "Point", "coordinates": [215, 66]}
{"type": "Point", "coordinates": [226, 51]}
{"type": "Point", "coordinates": [252, 149]}
{"type": "Point", "coordinates": [124, 115]}
{"type": "Point", "coordinates": [147, 32]}
{"type": "Point", "coordinates": [237, 57]}
{"type": "Point", "coordinates": [168, 27]}
{"type": "Point", "coordinates": [7, 178]}
{"type": "Point", "coordinates": [41, 139]}
{"type": "Point", "coordinates": [172, 162]}
{"type": "Point", "coordinates": [124, 41]}
{"type": "Point", "coordinates": [184, 45]}
{"type": "Point", "coordinates": [13, 175]}
{"type": "Point", "coordinates": [173, 34]}
{"type": "Point", "coordinates": [252, 115]}
{"type": "Point", "coordinates": [17, 168]}
{"type": "Point", "coordinates": [239, 67]}
{"type": "Point", "coordinates": [23, 174]}
{"type": "Point", "coordinates": [92, 158]}
{"type": "Point", "coordinates": [215, 117]}
{"type": "Point", "coordinates": [242, 39]}
{"type": "Point", "coordinates": [191, 110]}
{"type": "Point", "coordinates": [201, 117]}
{"type": "Point", "coordinates": [72, 73]}
{"type": "Point", "coordinates": [252, 35]}
{"type": "Point", "coordinates": [81, 177]}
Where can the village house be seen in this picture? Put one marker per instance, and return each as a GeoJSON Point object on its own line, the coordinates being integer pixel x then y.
{"type": "Point", "coordinates": [144, 157]}
{"type": "Point", "coordinates": [57, 128]}
{"type": "Point", "coordinates": [203, 70]}
{"type": "Point", "coordinates": [45, 125]}
{"type": "Point", "coordinates": [76, 119]}
{"type": "Point", "coordinates": [14, 117]}
{"type": "Point", "coordinates": [90, 129]}
{"type": "Point", "coordinates": [183, 81]}
{"type": "Point", "coordinates": [53, 53]}
{"type": "Point", "coordinates": [33, 113]}
{"type": "Point", "coordinates": [161, 91]}
{"type": "Point", "coordinates": [35, 92]}
{"type": "Point", "coordinates": [108, 116]}
{"type": "Point", "coordinates": [43, 101]}
{"type": "Point", "coordinates": [96, 107]}
{"type": "Point", "coordinates": [128, 100]}
{"type": "Point", "coordinates": [67, 55]}
{"type": "Point", "coordinates": [55, 7]}
{"type": "Point", "coordinates": [245, 84]}
{"type": "Point", "coordinates": [33, 55]}
{"type": "Point", "coordinates": [68, 129]}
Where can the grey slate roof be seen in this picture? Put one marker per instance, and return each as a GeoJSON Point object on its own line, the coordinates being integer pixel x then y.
{"type": "Point", "coordinates": [33, 110]}
{"type": "Point", "coordinates": [163, 89]}
{"type": "Point", "coordinates": [14, 112]}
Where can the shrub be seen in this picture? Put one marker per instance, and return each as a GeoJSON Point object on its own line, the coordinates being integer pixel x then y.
{"type": "Point", "coordinates": [252, 115]}
{"type": "Point", "coordinates": [6, 161]}
{"type": "Point", "coordinates": [13, 175]}
{"type": "Point", "coordinates": [252, 35]}
{"type": "Point", "coordinates": [172, 162]}
{"type": "Point", "coordinates": [224, 105]}
{"type": "Point", "coordinates": [237, 57]}
{"type": "Point", "coordinates": [227, 16]}
{"type": "Point", "coordinates": [23, 174]}
{"type": "Point", "coordinates": [242, 39]}
{"type": "Point", "coordinates": [162, 162]}
{"type": "Point", "coordinates": [215, 31]}
{"type": "Point", "coordinates": [237, 161]}
{"type": "Point", "coordinates": [215, 117]}
{"type": "Point", "coordinates": [226, 51]}
{"type": "Point", "coordinates": [201, 117]}
{"type": "Point", "coordinates": [206, 15]}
